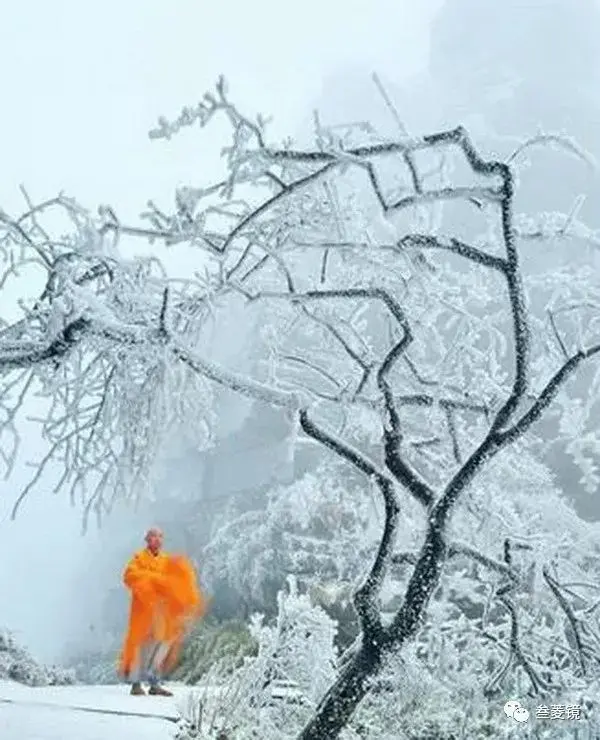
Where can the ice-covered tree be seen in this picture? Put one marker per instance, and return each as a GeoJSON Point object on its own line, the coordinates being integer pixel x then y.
{"type": "Point", "coordinates": [319, 528]}
{"type": "Point", "coordinates": [408, 352]}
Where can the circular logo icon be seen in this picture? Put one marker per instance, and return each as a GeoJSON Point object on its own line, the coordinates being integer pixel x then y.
{"type": "Point", "coordinates": [521, 714]}
{"type": "Point", "coordinates": [516, 711]}
{"type": "Point", "coordinates": [509, 708]}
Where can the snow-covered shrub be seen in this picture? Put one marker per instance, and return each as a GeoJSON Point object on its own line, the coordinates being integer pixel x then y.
{"type": "Point", "coordinates": [273, 694]}
{"type": "Point", "coordinates": [409, 702]}
{"type": "Point", "coordinates": [17, 664]}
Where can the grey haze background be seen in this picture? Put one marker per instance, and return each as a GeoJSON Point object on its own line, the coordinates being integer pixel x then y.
{"type": "Point", "coordinates": [86, 81]}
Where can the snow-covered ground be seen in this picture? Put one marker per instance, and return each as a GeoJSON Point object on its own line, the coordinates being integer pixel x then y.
{"type": "Point", "coordinates": [65, 713]}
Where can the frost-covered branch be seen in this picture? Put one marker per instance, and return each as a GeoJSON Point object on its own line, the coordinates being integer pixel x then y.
{"type": "Point", "coordinates": [241, 384]}
{"type": "Point", "coordinates": [391, 426]}
{"type": "Point", "coordinates": [548, 394]}
{"type": "Point", "coordinates": [521, 335]}
{"type": "Point", "coordinates": [574, 623]}
{"type": "Point", "coordinates": [288, 190]}
{"type": "Point", "coordinates": [458, 549]}
{"type": "Point", "coordinates": [427, 241]}
{"type": "Point", "coordinates": [557, 335]}
{"type": "Point", "coordinates": [450, 404]}
{"type": "Point", "coordinates": [24, 354]}
{"type": "Point", "coordinates": [559, 141]}
{"type": "Point", "coordinates": [366, 596]}
{"type": "Point", "coordinates": [516, 657]}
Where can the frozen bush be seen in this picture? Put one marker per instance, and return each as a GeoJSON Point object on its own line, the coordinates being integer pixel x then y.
{"type": "Point", "coordinates": [17, 664]}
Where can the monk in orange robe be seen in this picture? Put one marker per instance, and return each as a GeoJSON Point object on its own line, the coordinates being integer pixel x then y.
{"type": "Point", "coordinates": [165, 603]}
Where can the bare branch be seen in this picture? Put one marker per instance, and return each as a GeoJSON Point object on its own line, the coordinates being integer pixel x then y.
{"type": "Point", "coordinates": [16, 227]}
{"type": "Point", "coordinates": [392, 426]}
{"type": "Point", "coordinates": [359, 460]}
{"type": "Point", "coordinates": [515, 658]}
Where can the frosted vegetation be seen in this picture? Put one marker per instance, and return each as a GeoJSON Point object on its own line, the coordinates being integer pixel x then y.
{"type": "Point", "coordinates": [428, 567]}
{"type": "Point", "coordinates": [16, 664]}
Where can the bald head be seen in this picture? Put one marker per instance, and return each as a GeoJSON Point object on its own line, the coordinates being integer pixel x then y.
{"type": "Point", "coordinates": [154, 540]}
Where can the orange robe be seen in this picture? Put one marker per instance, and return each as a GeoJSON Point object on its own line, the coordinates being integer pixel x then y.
{"type": "Point", "coordinates": [165, 601]}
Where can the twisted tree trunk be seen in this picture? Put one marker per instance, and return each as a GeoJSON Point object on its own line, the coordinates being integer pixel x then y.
{"type": "Point", "coordinates": [341, 701]}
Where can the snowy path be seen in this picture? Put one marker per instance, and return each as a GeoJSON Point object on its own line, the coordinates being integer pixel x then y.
{"type": "Point", "coordinates": [85, 713]}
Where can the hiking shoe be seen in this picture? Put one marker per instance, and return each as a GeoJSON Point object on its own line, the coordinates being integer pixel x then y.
{"type": "Point", "coordinates": [137, 690]}
{"type": "Point", "coordinates": [159, 691]}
